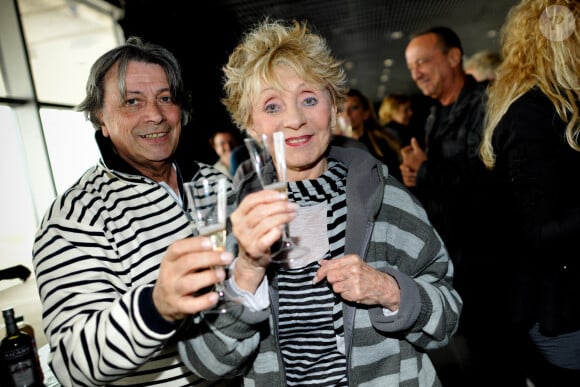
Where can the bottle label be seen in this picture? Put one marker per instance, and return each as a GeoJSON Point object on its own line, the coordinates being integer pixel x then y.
{"type": "Point", "coordinates": [22, 373]}
{"type": "Point", "coordinates": [16, 353]}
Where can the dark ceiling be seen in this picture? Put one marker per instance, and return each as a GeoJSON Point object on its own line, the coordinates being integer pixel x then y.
{"type": "Point", "coordinates": [364, 33]}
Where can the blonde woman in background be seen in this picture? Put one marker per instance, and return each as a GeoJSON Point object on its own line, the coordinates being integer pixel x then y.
{"type": "Point", "coordinates": [531, 141]}
{"type": "Point", "coordinates": [395, 113]}
{"type": "Point", "coordinates": [482, 65]}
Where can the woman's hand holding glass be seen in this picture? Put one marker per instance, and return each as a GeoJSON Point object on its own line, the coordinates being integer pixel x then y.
{"type": "Point", "coordinates": [257, 224]}
{"type": "Point", "coordinates": [264, 154]}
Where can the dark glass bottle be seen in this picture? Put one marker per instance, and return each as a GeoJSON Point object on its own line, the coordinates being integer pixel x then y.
{"type": "Point", "coordinates": [23, 326]}
{"type": "Point", "coordinates": [17, 355]}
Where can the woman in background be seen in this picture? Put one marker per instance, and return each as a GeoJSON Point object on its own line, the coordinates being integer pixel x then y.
{"type": "Point", "coordinates": [482, 65]}
{"type": "Point", "coordinates": [395, 115]}
{"type": "Point", "coordinates": [365, 128]}
{"type": "Point", "coordinates": [531, 142]}
{"type": "Point", "coordinates": [223, 141]}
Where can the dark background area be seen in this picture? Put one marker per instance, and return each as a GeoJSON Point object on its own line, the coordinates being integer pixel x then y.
{"type": "Point", "coordinates": [202, 41]}
{"type": "Point", "coordinates": [363, 33]}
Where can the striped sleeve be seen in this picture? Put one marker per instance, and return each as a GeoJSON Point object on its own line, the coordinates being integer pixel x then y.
{"type": "Point", "coordinates": [417, 258]}
{"type": "Point", "coordinates": [97, 250]}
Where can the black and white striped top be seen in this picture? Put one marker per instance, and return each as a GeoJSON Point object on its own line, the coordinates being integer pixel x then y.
{"type": "Point", "coordinates": [96, 257]}
{"type": "Point", "coordinates": [310, 316]}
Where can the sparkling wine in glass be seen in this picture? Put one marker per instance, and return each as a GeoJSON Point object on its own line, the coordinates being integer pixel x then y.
{"type": "Point", "coordinates": [272, 150]}
{"type": "Point", "coordinates": [208, 205]}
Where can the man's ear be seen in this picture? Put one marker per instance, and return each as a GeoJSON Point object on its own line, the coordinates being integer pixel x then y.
{"type": "Point", "coordinates": [454, 56]}
{"type": "Point", "coordinates": [103, 127]}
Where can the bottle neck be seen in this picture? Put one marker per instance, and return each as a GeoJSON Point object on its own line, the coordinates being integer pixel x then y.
{"type": "Point", "coordinates": [10, 321]}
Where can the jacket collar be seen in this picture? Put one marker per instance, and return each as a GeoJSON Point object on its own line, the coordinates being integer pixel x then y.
{"type": "Point", "coordinates": [110, 157]}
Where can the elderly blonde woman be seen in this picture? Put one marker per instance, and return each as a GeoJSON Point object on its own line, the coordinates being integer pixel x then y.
{"type": "Point", "coordinates": [531, 142]}
{"type": "Point", "coordinates": [381, 295]}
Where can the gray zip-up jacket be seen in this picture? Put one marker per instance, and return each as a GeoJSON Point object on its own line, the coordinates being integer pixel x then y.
{"type": "Point", "coordinates": [389, 229]}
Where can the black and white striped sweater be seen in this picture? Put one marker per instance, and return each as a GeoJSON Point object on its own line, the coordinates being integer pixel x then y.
{"type": "Point", "coordinates": [96, 256]}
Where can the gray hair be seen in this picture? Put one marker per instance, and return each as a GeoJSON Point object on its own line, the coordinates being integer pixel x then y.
{"type": "Point", "coordinates": [133, 50]}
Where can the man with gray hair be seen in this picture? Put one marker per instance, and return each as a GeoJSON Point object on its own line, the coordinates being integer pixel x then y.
{"type": "Point", "coordinates": [115, 260]}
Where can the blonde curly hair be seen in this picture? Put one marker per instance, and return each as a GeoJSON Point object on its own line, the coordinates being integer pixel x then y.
{"type": "Point", "coordinates": [531, 58]}
{"type": "Point", "coordinates": [278, 43]}
{"type": "Point", "coordinates": [390, 105]}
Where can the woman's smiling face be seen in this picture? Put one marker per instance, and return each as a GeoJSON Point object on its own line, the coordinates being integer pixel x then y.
{"type": "Point", "coordinates": [306, 115]}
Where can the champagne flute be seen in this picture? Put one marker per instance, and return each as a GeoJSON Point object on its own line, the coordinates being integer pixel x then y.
{"type": "Point", "coordinates": [262, 153]}
{"type": "Point", "coordinates": [208, 205]}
